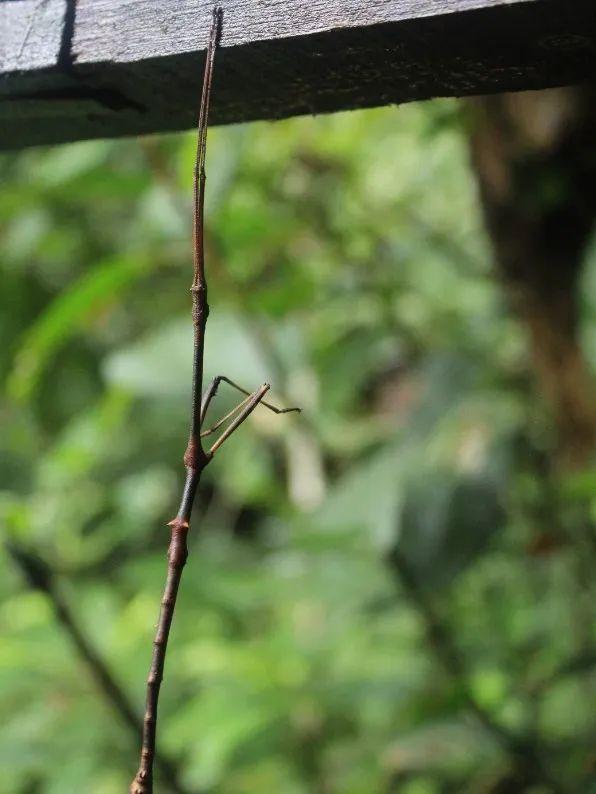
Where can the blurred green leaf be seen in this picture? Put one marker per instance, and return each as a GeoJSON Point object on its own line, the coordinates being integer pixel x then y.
{"type": "Point", "coordinates": [446, 522]}
{"type": "Point", "coordinates": [69, 313]}
{"type": "Point", "coordinates": [347, 266]}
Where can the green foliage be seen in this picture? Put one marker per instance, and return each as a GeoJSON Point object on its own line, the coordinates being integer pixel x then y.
{"type": "Point", "coordinates": [347, 265]}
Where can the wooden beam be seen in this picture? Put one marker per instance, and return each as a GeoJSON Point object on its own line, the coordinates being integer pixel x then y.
{"type": "Point", "coordinates": [73, 69]}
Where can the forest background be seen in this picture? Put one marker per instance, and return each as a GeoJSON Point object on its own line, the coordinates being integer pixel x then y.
{"type": "Point", "coordinates": [390, 592]}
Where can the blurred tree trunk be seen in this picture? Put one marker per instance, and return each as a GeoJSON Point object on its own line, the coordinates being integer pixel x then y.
{"type": "Point", "coordinates": [534, 154]}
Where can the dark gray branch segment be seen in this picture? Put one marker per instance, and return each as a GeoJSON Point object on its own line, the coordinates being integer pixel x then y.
{"type": "Point", "coordinates": [73, 69]}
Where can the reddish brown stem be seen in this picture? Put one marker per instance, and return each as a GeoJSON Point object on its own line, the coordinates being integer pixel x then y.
{"type": "Point", "coordinates": [40, 576]}
{"type": "Point", "coordinates": [195, 458]}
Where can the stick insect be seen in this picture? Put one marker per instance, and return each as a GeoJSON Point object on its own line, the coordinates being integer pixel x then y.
{"type": "Point", "coordinates": [197, 457]}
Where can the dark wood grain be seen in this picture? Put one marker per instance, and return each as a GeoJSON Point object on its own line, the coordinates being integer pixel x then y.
{"type": "Point", "coordinates": [97, 68]}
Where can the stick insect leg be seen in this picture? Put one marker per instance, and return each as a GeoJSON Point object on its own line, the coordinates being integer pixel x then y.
{"type": "Point", "coordinates": [266, 404]}
{"type": "Point", "coordinates": [219, 423]}
{"type": "Point", "coordinates": [210, 393]}
{"type": "Point", "coordinates": [254, 399]}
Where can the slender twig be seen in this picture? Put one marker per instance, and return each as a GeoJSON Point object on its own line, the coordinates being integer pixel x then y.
{"type": "Point", "coordinates": [302, 449]}
{"type": "Point", "coordinates": [195, 457]}
{"type": "Point", "coordinates": [40, 576]}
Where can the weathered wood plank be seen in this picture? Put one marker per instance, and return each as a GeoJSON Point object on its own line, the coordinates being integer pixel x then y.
{"type": "Point", "coordinates": [72, 69]}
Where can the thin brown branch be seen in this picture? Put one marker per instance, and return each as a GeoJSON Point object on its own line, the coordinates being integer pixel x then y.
{"type": "Point", "coordinates": [195, 458]}
{"type": "Point", "coordinates": [40, 576]}
{"type": "Point", "coordinates": [200, 307]}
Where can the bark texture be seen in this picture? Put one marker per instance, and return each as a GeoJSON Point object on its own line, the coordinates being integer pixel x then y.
{"type": "Point", "coordinates": [534, 154]}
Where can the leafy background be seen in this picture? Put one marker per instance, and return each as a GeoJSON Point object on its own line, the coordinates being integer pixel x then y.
{"type": "Point", "coordinates": [370, 603]}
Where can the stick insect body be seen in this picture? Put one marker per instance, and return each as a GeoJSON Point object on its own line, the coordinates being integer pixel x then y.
{"type": "Point", "coordinates": [196, 457]}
